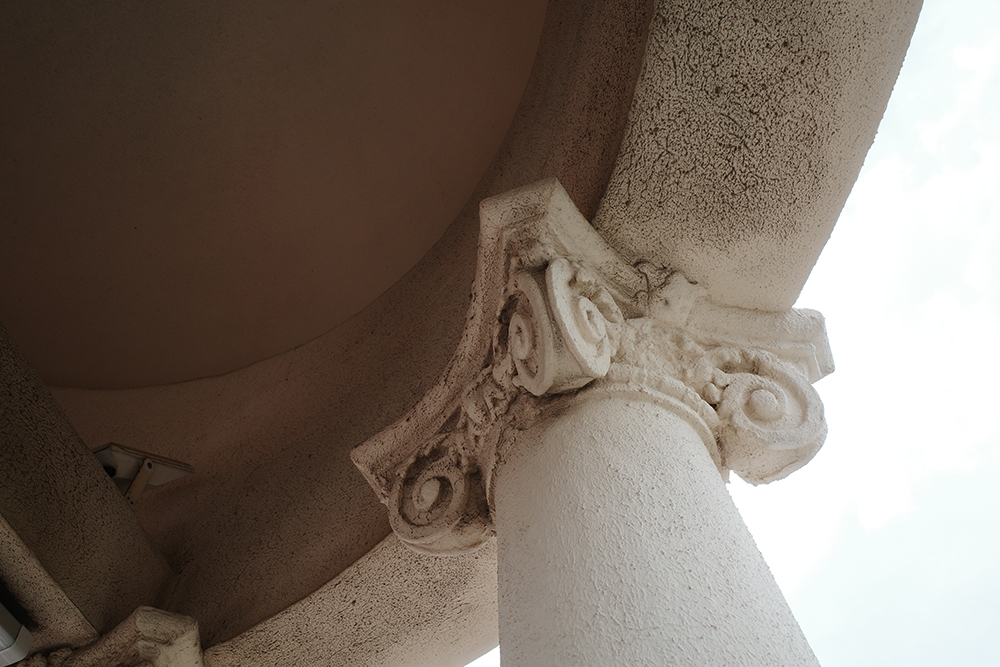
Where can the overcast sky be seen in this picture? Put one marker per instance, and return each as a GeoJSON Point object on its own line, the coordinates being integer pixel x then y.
{"type": "Point", "coordinates": [887, 545]}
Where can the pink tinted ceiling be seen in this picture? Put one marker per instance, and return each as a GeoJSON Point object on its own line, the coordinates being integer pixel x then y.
{"type": "Point", "coordinates": [189, 187]}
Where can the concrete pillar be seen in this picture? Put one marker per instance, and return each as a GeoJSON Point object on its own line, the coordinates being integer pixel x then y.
{"type": "Point", "coordinates": [589, 418]}
{"type": "Point", "coordinates": [72, 551]}
{"type": "Point", "coordinates": [618, 544]}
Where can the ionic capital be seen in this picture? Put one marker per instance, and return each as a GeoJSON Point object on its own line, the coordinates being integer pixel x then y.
{"type": "Point", "coordinates": [147, 638]}
{"type": "Point", "coordinates": [558, 315]}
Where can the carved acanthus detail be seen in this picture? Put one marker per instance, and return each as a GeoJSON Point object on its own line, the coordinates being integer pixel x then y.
{"type": "Point", "coordinates": [556, 310]}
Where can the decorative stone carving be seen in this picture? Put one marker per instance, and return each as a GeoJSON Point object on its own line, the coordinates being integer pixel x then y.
{"type": "Point", "coordinates": [556, 311]}
{"type": "Point", "coordinates": [148, 638]}
{"type": "Point", "coordinates": [562, 332]}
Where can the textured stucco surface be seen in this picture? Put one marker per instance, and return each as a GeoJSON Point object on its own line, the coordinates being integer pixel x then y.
{"type": "Point", "coordinates": [748, 129]}
{"type": "Point", "coordinates": [53, 619]}
{"type": "Point", "coordinates": [618, 544]}
{"type": "Point", "coordinates": [275, 509]}
{"type": "Point", "coordinates": [149, 637]}
{"type": "Point", "coordinates": [426, 611]}
{"type": "Point", "coordinates": [64, 508]}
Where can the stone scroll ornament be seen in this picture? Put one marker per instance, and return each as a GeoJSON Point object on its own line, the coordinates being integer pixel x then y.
{"type": "Point", "coordinates": [147, 638]}
{"type": "Point", "coordinates": [555, 312]}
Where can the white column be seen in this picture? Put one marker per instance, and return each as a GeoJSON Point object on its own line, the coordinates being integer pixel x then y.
{"type": "Point", "coordinates": [619, 545]}
{"type": "Point", "coordinates": [588, 417]}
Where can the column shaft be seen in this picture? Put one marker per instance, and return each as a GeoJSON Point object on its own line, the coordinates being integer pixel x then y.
{"type": "Point", "coordinates": [619, 545]}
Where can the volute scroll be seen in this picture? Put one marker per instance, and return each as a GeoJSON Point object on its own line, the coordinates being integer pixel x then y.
{"type": "Point", "coordinates": [554, 310]}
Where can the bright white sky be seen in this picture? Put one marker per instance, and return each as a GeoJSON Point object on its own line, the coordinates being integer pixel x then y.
{"type": "Point", "coordinates": [887, 545]}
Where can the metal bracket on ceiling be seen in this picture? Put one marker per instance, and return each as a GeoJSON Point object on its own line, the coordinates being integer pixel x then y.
{"type": "Point", "coordinates": [134, 471]}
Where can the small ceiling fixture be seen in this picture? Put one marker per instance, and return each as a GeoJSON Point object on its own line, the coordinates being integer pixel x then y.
{"type": "Point", "coordinates": [15, 640]}
{"type": "Point", "coordinates": [134, 471]}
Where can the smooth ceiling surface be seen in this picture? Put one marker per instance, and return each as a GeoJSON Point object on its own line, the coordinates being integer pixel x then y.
{"type": "Point", "coordinates": [187, 187]}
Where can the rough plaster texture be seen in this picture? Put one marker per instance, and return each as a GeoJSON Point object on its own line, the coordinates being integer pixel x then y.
{"type": "Point", "coordinates": [619, 545]}
{"type": "Point", "coordinates": [275, 509]}
{"type": "Point", "coordinates": [426, 611]}
{"type": "Point", "coordinates": [147, 638]}
{"type": "Point", "coordinates": [64, 508]}
{"type": "Point", "coordinates": [53, 618]}
{"type": "Point", "coordinates": [748, 129]}
{"type": "Point", "coordinates": [556, 309]}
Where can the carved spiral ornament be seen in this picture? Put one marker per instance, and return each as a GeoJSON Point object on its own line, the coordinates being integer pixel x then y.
{"type": "Point", "coordinates": [529, 336]}
{"type": "Point", "coordinates": [556, 308]}
{"type": "Point", "coordinates": [773, 416]}
{"type": "Point", "coordinates": [439, 508]}
{"type": "Point", "coordinates": [562, 342]}
{"type": "Point", "coordinates": [582, 323]}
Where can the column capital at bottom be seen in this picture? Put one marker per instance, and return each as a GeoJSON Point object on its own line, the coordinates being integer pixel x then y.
{"type": "Point", "coordinates": [558, 315]}
{"type": "Point", "coordinates": [148, 637]}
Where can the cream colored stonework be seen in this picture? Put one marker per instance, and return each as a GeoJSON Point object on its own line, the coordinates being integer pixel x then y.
{"type": "Point", "coordinates": [626, 343]}
{"type": "Point", "coordinates": [555, 310]}
{"type": "Point", "coordinates": [147, 638]}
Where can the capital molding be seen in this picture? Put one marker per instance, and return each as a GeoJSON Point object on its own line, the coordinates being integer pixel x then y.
{"type": "Point", "coordinates": [557, 314]}
{"type": "Point", "coordinates": [147, 638]}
